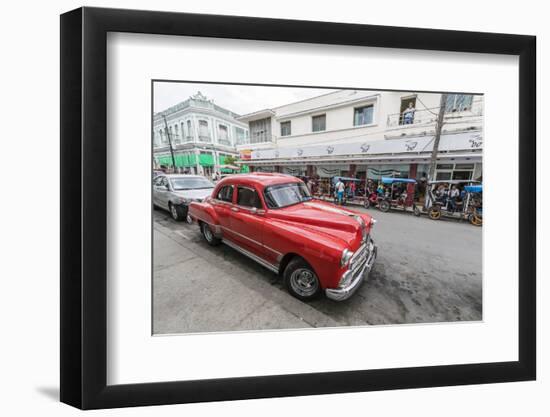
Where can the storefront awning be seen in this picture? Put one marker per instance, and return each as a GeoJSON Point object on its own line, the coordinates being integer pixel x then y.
{"type": "Point", "coordinates": [466, 142]}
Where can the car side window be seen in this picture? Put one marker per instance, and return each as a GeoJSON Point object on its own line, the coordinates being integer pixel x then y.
{"type": "Point", "coordinates": [225, 193]}
{"type": "Point", "coordinates": [247, 197]}
{"type": "Point", "coordinates": [158, 181]}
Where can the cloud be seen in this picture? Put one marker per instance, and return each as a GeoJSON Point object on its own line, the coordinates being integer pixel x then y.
{"type": "Point", "coordinates": [241, 99]}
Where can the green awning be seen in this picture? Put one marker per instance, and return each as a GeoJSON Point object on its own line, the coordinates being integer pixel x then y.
{"type": "Point", "coordinates": [206, 159]}
{"type": "Point", "coordinates": [182, 160]}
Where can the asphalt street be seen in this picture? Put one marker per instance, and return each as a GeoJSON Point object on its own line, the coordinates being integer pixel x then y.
{"type": "Point", "coordinates": [427, 271]}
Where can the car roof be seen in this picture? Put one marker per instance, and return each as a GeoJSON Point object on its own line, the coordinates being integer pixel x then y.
{"type": "Point", "coordinates": [259, 178]}
{"type": "Point", "coordinates": [183, 176]}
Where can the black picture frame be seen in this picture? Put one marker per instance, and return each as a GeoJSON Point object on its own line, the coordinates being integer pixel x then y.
{"type": "Point", "coordinates": [84, 207]}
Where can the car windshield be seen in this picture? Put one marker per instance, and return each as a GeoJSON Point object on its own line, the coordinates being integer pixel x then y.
{"type": "Point", "coordinates": [190, 183]}
{"type": "Point", "coordinates": [283, 195]}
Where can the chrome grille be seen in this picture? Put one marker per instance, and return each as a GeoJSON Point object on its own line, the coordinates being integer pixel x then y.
{"type": "Point", "coordinates": [358, 257]}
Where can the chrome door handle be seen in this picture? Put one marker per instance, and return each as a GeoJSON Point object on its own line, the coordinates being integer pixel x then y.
{"type": "Point", "coordinates": [234, 209]}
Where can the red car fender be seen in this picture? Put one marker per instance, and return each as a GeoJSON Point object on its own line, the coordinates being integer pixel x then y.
{"type": "Point", "coordinates": [322, 253]}
{"type": "Point", "coordinates": [204, 212]}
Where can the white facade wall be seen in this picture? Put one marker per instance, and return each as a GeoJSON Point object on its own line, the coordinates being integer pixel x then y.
{"type": "Point", "coordinates": [339, 110]}
{"type": "Point", "coordinates": [194, 115]}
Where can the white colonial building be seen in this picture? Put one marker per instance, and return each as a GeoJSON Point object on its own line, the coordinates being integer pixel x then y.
{"type": "Point", "coordinates": [366, 135]}
{"type": "Point", "coordinates": [202, 133]}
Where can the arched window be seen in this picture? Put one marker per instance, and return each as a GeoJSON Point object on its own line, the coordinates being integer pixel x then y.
{"type": "Point", "coordinates": [204, 132]}
{"type": "Point", "coordinates": [183, 138]}
{"type": "Point", "coordinates": [176, 133]}
{"type": "Point", "coordinates": [190, 134]}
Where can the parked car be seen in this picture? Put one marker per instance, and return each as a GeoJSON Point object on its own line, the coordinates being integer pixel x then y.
{"type": "Point", "coordinates": [174, 192]}
{"type": "Point", "coordinates": [314, 245]}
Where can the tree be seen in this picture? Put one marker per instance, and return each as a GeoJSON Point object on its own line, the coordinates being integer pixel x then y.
{"type": "Point", "coordinates": [229, 160]}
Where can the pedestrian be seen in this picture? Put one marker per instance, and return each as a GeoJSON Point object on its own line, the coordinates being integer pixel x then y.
{"type": "Point", "coordinates": [309, 184]}
{"type": "Point", "coordinates": [352, 189]}
{"type": "Point", "coordinates": [340, 188]}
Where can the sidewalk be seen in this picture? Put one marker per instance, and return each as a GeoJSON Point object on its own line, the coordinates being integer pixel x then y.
{"type": "Point", "coordinates": [196, 289]}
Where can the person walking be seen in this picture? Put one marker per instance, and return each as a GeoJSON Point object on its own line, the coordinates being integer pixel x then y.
{"type": "Point", "coordinates": [340, 187]}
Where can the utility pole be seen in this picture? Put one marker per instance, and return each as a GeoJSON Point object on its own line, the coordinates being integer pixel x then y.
{"type": "Point", "coordinates": [170, 143]}
{"type": "Point", "coordinates": [437, 138]}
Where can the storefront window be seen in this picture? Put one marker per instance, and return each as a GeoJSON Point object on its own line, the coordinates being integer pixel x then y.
{"type": "Point", "coordinates": [376, 172]}
{"type": "Point", "coordinates": [443, 175]}
{"type": "Point", "coordinates": [422, 172]}
{"type": "Point", "coordinates": [460, 172]}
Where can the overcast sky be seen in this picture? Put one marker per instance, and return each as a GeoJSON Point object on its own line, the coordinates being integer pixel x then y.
{"type": "Point", "coordinates": [241, 99]}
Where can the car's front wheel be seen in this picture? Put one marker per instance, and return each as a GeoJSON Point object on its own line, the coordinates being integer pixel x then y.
{"type": "Point", "coordinates": [209, 235]}
{"type": "Point", "coordinates": [178, 212]}
{"type": "Point", "coordinates": [301, 280]}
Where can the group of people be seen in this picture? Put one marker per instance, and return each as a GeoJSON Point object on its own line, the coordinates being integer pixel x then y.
{"type": "Point", "coordinates": [452, 195]}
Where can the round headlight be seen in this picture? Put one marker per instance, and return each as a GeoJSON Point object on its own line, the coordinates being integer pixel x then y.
{"type": "Point", "coordinates": [346, 256]}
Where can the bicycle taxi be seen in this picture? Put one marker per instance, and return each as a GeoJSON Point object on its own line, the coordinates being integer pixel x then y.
{"type": "Point", "coordinates": [397, 194]}
{"type": "Point", "coordinates": [452, 199]}
{"type": "Point", "coordinates": [473, 205]}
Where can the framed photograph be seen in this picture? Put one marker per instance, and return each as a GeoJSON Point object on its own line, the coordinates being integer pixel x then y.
{"type": "Point", "coordinates": [256, 208]}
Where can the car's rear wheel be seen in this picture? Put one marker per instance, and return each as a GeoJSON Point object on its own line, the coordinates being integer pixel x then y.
{"type": "Point", "coordinates": [367, 203]}
{"type": "Point", "coordinates": [177, 212]}
{"type": "Point", "coordinates": [301, 280]}
{"type": "Point", "coordinates": [209, 235]}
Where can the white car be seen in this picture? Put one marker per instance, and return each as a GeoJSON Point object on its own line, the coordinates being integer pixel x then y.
{"type": "Point", "coordinates": [174, 192]}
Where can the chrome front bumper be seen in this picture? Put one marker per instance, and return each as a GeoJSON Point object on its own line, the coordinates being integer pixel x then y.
{"type": "Point", "coordinates": [359, 271]}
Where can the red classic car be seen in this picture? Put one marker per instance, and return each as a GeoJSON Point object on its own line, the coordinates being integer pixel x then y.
{"type": "Point", "coordinates": [272, 218]}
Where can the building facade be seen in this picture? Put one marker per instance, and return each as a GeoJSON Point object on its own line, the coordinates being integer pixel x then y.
{"type": "Point", "coordinates": [202, 135]}
{"type": "Point", "coordinates": [367, 134]}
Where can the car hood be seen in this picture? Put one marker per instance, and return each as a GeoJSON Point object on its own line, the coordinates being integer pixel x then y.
{"type": "Point", "coordinates": [199, 194]}
{"type": "Point", "coordinates": [328, 219]}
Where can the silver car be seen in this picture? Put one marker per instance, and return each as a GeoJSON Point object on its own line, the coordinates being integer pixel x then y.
{"type": "Point", "coordinates": [174, 192]}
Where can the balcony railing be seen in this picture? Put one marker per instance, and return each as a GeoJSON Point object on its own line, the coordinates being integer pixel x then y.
{"type": "Point", "coordinates": [427, 116]}
{"type": "Point", "coordinates": [262, 138]}
{"type": "Point", "coordinates": [204, 138]}
{"type": "Point", "coordinates": [176, 140]}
